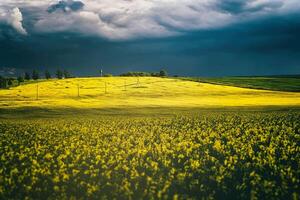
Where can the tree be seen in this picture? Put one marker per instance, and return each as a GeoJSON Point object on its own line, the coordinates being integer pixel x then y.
{"type": "Point", "coordinates": [20, 79]}
{"type": "Point", "coordinates": [136, 74]}
{"type": "Point", "coordinates": [155, 74]}
{"type": "Point", "coordinates": [3, 82]}
{"type": "Point", "coordinates": [67, 74]}
{"type": "Point", "coordinates": [35, 75]}
{"type": "Point", "coordinates": [59, 74]}
{"type": "Point", "coordinates": [10, 82]}
{"type": "Point", "coordinates": [47, 74]}
{"type": "Point", "coordinates": [163, 73]}
{"type": "Point", "coordinates": [27, 76]}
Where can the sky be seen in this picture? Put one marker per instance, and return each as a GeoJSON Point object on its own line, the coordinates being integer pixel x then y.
{"type": "Point", "coordinates": [185, 37]}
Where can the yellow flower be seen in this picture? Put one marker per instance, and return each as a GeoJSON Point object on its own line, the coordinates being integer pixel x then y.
{"type": "Point", "coordinates": [48, 156]}
{"type": "Point", "coordinates": [218, 145]}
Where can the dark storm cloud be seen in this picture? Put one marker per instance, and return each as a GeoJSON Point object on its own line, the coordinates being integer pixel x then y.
{"type": "Point", "coordinates": [238, 6]}
{"type": "Point", "coordinates": [269, 46]}
{"type": "Point", "coordinates": [185, 39]}
{"type": "Point", "coordinates": [232, 6]}
{"type": "Point", "coordinates": [66, 6]}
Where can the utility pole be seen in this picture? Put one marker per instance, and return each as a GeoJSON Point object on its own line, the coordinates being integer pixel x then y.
{"type": "Point", "coordinates": [138, 82]}
{"type": "Point", "coordinates": [101, 73]}
{"type": "Point", "coordinates": [78, 92]}
{"type": "Point", "coordinates": [37, 91]}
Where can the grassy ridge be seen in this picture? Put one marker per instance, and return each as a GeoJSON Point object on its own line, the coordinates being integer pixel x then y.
{"type": "Point", "coordinates": [277, 83]}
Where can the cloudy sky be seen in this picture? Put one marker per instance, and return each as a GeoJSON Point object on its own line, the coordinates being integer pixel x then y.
{"type": "Point", "coordinates": [186, 37]}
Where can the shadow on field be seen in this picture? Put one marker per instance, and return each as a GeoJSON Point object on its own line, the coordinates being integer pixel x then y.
{"type": "Point", "coordinates": [36, 112]}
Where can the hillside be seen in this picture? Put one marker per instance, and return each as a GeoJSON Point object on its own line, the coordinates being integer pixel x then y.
{"type": "Point", "coordinates": [276, 83]}
{"type": "Point", "coordinates": [127, 92]}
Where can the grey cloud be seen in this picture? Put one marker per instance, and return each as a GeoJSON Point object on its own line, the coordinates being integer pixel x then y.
{"type": "Point", "coordinates": [265, 46]}
{"type": "Point", "coordinates": [131, 19]}
{"type": "Point", "coordinates": [14, 18]}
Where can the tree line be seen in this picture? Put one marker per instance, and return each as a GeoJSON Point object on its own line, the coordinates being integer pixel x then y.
{"type": "Point", "coordinates": [6, 82]}
{"type": "Point", "coordinates": [161, 73]}
{"type": "Point", "coordinates": [60, 74]}
{"type": "Point", "coordinates": [34, 75]}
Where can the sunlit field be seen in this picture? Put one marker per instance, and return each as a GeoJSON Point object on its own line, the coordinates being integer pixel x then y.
{"type": "Point", "coordinates": [120, 92]}
{"type": "Point", "coordinates": [147, 138]}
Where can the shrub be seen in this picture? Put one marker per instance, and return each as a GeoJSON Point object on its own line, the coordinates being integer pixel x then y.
{"type": "Point", "coordinates": [67, 74]}
{"type": "Point", "coordinates": [35, 75]}
{"type": "Point", "coordinates": [27, 76]}
{"type": "Point", "coordinates": [163, 73]}
{"type": "Point", "coordinates": [20, 79]}
{"type": "Point", "coordinates": [47, 74]}
{"type": "Point", "coordinates": [59, 74]}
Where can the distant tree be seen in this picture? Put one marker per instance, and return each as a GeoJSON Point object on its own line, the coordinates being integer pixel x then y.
{"type": "Point", "coordinates": [67, 74]}
{"type": "Point", "coordinates": [136, 74]}
{"type": "Point", "coordinates": [35, 75]}
{"type": "Point", "coordinates": [107, 75]}
{"type": "Point", "coordinates": [10, 82]}
{"type": "Point", "coordinates": [59, 74]}
{"type": "Point", "coordinates": [47, 74]}
{"type": "Point", "coordinates": [27, 76]}
{"type": "Point", "coordinates": [155, 74]}
{"type": "Point", "coordinates": [163, 73]}
{"type": "Point", "coordinates": [3, 82]}
{"type": "Point", "coordinates": [20, 79]}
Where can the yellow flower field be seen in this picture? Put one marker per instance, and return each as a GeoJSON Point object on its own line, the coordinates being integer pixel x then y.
{"type": "Point", "coordinates": [118, 92]}
{"type": "Point", "coordinates": [240, 155]}
{"type": "Point", "coordinates": [54, 145]}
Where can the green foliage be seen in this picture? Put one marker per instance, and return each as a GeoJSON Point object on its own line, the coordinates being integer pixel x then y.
{"type": "Point", "coordinates": [280, 83]}
{"type": "Point", "coordinates": [3, 82]}
{"type": "Point", "coordinates": [129, 74]}
{"type": "Point", "coordinates": [20, 79]}
{"type": "Point", "coordinates": [163, 73]}
{"type": "Point", "coordinates": [27, 76]}
{"type": "Point", "coordinates": [47, 74]}
{"type": "Point", "coordinates": [67, 74]}
{"type": "Point", "coordinates": [217, 155]}
{"type": "Point", "coordinates": [35, 75]}
{"type": "Point", "coordinates": [59, 74]}
{"type": "Point", "coordinates": [10, 82]}
{"type": "Point", "coordinates": [154, 74]}
{"type": "Point", "coordinates": [7, 82]}
{"type": "Point", "coordinates": [108, 75]}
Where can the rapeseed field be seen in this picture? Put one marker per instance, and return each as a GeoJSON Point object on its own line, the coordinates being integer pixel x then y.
{"type": "Point", "coordinates": [118, 92]}
{"type": "Point", "coordinates": [147, 138]}
{"type": "Point", "coordinates": [216, 155]}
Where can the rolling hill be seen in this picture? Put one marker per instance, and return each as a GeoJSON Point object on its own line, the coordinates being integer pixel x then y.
{"type": "Point", "coordinates": [286, 83]}
{"type": "Point", "coordinates": [132, 92]}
